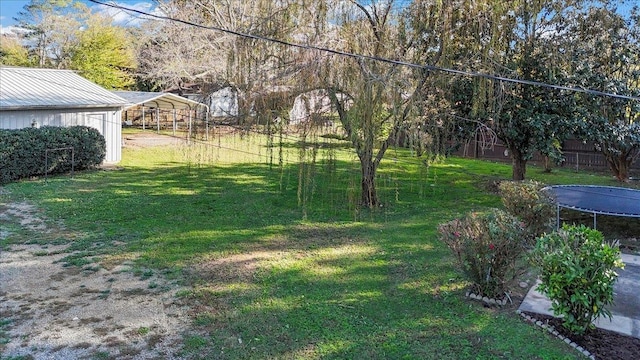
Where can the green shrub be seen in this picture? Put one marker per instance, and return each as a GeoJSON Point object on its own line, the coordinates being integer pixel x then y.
{"type": "Point", "coordinates": [577, 273]}
{"type": "Point", "coordinates": [487, 247]}
{"type": "Point", "coordinates": [22, 152]}
{"type": "Point", "coordinates": [528, 201]}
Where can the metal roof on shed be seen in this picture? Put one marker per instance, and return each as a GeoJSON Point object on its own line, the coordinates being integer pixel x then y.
{"type": "Point", "coordinates": [158, 100]}
{"type": "Point", "coordinates": [32, 88]}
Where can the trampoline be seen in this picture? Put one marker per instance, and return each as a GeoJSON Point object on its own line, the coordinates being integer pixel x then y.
{"type": "Point", "coordinates": [603, 200]}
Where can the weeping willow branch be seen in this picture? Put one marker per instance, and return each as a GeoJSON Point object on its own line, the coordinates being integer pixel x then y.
{"type": "Point", "coordinates": [485, 136]}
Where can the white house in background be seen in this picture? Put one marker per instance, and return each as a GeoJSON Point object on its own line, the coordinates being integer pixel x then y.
{"type": "Point", "coordinates": [47, 97]}
{"type": "Point", "coordinates": [311, 104]}
{"type": "Point", "coordinates": [224, 103]}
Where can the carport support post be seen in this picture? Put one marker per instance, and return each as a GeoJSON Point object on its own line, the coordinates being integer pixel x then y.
{"type": "Point", "coordinates": [558, 217]}
{"type": "Point", "coordinates": [158, 118]}
{"type": "Point", "coordinates": [143, 126]}
{"type": "Point", "coordinates": [189, 137]}
{"type": "Point", "coordinates": [174, 122]}
{"type": "Point", "coordinates": [207, 125]}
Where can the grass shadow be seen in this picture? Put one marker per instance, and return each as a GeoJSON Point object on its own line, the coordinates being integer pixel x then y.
{"type": "Point", "coordinates": [280, 262]}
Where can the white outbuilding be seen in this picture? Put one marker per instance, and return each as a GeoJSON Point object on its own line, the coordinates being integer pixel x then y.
{"type": "Point", "coordinates": [31, 97]}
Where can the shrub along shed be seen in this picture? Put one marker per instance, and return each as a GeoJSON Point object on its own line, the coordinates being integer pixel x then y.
{"type": "Point", "coordinates": [31, 97]}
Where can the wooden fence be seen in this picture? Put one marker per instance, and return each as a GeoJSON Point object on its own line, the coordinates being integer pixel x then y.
{"type": "Point", "coordinates": [577, 155]}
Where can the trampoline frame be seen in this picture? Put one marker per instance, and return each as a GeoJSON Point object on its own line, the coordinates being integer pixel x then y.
{"type": "Point", "coordinates": [595, 213]}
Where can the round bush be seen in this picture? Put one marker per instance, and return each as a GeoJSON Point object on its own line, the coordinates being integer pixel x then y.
{"type": "Point", "coordinates": [577, 273]}
{"type": "Point", "coordinates": [487, 247]}
{"type": "Point", "coordinates": [23, 152]}
{"type": "Point", "coordinates": [528, 201]}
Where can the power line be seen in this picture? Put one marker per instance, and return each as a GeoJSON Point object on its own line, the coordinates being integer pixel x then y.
{"type": "Point", "coordinates": [374, 58]}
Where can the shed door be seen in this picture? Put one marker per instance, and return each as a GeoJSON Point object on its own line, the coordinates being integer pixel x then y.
{"type": "Point", "coordinates": [96, 120]}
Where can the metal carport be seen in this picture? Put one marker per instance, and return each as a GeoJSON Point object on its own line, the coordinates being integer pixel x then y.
{"type": "Point", "coordinates": [157, 101]}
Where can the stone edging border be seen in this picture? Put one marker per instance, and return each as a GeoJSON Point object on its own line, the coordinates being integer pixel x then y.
{"type": "Point", "coordinates": [555, 333]}
{"type": "Point", "coordinates": [487, 300]}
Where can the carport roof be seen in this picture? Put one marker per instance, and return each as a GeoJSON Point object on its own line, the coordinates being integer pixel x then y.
{"type": "Point", "coordinates": [158, 100]}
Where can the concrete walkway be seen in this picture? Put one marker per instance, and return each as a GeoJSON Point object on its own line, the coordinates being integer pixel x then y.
{"type": "Point", "coordinates": [626, 307]}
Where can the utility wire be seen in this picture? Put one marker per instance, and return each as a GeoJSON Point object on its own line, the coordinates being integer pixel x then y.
{"type": "Point", "coordinates": [374, 58]}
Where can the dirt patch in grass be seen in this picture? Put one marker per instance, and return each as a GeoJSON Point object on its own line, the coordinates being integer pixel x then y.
{"type": "Point", "coordinates": [150, 139]}
{"type": "Point", "coordinates": [218, 283]}
{"type": "Point", "coordinates": [56, 313]}
{"type": "Point", "coordinates": [233, 268]}
{"type": "Point", "coordinates": [52, 311]}
{"type": "Point", "coordinates": [26, 214]}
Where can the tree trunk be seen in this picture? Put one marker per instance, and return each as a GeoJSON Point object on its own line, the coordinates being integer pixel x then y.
{"type": "Point", "coordinates": [519, 165]}
{"type": "Point", "coordinates": [547, 164]}
{"type": "Point", "coordinates": [620, 167]}
{"type": "Point", "coordinates": [619, 161]}
{"type": "Point", "coordinates": [369, 196]}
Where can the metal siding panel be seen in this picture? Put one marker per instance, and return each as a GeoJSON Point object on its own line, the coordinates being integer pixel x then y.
{"type": "Point", "coordinates": [109, 125]}
{"type": "Point", "coordinates": [94, 120]}
{"type": "Point", "coordinates": [111, 130]}
{"type": "Point", "coordinates": [15, 119]}
{"type": "Point", "coordinates": [58, 120]}
{"type": "Point", "coordinates": [113, 136]}
{"type": "Point", "coordinates": [64, 120]}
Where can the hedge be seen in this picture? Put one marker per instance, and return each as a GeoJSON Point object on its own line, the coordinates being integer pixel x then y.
{"type": "Point", "coordinates": [23, 151]}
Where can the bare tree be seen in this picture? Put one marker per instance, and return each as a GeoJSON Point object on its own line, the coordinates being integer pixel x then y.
{"type": "Point", "coordinates": [261, 72]}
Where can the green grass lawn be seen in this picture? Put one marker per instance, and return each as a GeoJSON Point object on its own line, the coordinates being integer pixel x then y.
{"type": "Point", "coordinates": [283, 266]}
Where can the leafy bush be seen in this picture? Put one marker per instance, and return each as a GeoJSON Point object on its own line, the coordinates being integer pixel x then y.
{"type": "Point", "coordinates": [487, 247]}
{"type": "Point", "coordinates": [22, 152]}
{"type": "Point", "coordinates": [577, 274]}
{"type": "Point", "coordinates": [528, 201]}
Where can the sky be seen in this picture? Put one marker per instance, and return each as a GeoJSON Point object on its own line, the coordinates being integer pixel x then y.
{"type": "Point", "coordinates": [10, 8]}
